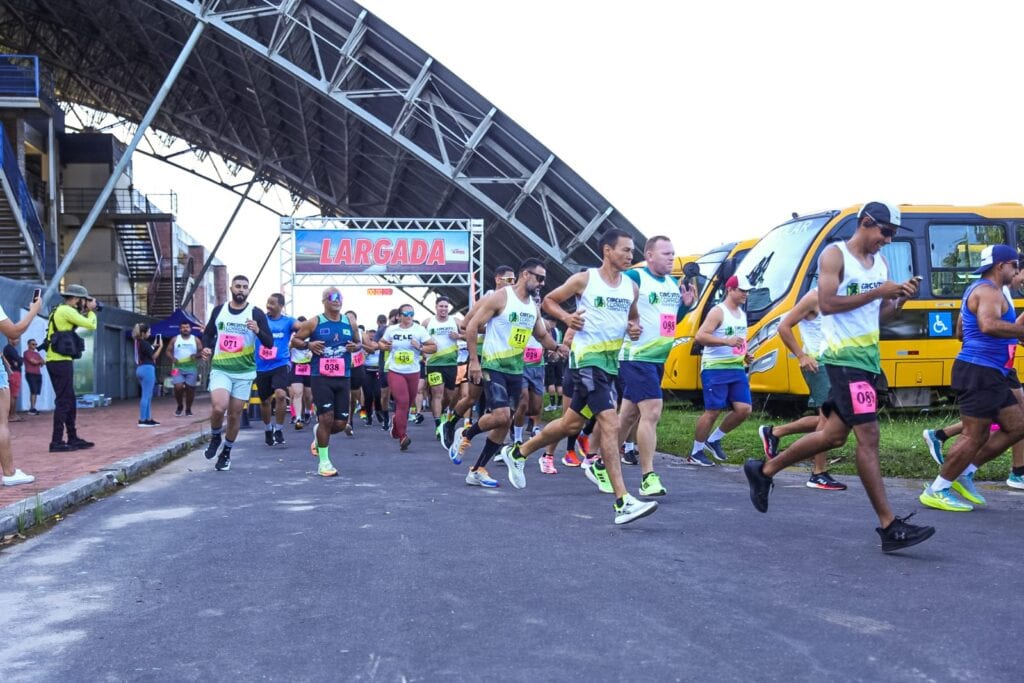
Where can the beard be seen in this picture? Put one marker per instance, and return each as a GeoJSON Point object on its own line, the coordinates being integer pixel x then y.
{"type": "Point", "coordinates": [238, 298]}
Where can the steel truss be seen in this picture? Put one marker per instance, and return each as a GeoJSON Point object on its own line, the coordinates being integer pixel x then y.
{"type": "Point", "coordinates": [290, 280]}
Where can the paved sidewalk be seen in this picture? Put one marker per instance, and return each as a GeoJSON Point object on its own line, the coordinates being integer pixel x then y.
{"type": "Point", "coordinates": [115, 431]}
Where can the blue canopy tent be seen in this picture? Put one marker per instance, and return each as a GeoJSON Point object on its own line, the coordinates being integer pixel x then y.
{"type": "Point", "coordinates": [169, 326]}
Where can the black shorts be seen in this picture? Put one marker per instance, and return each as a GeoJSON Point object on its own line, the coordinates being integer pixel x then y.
{"type": "Point", "coordinates": [593, 388]}
{"type": "Point", "coordinates": [567, 382]}
{"type": "Point", "coordinates": [553, 374]}
{"type": "Point", "coordinates": [980, 391]}
{"type": "Point", "coordinates": [502, 390]}
{"type": "Point", "coordinates": [270, 381]}
{"type": "Point", "coordinates": [853, 395]}
{"type": "Point", "coordinates": [358, 378]}
{"type": "Point", "coordinates": [301, 379]}
{"type": "Point", "coordinates": [331, 394]}
{"type": "Point", "coordinates": [35, 383]}
{"type": "Point", "coordinates": [442, 374]}
{"type": "Point", "coordinates": [1013, 379]}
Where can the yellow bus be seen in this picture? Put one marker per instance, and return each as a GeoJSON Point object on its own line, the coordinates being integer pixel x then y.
{"type": "Point", "coordinates": [707, 273]}
{"type": "Point", "coordinates": [943, 245]}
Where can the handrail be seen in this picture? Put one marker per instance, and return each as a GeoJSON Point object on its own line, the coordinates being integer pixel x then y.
{"type": "Point", "coordinates": [45, 251]}
{"type": "Point", "coordinates": [23, 76]}
{"type": "Point", "coordinates": [121, 201]}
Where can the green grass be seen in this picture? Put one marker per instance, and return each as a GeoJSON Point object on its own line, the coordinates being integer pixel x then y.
{"type": "Point", "coordinates": [902, 452]}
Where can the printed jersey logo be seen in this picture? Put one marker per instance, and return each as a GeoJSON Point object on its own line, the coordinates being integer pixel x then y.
{"type": "Point", "coordinates": [653, 298]}
{"type": "Point", "coordinates": [513, 317]}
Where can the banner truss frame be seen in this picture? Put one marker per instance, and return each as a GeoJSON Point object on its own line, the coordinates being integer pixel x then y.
{"type": "Point", "coordinates": [291, 280]}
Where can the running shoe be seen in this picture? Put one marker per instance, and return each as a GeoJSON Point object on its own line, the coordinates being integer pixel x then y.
{"type": "Point", "coordinates": [1015, 481]}
{"type": "Point", "coordinates": [404, 444]}
{"type": "Point", "coordinates": [769, 441]}
{"type": "Point", "coordinates": [326, 469]}
{"type": "Point", "coordinates": [632, 509]}
{"type": "Point", "coordinates": [188, 413]}
{"type": "Point", "coordinates": [516, 466]}
{"type": "Point", "coordinates": [17, 478]}
{"type": "Point", "coordinates": [825, 482]}
{"type": "Point", "coordinates": [363, 415]}
{"type": "Point", "coordinates": [480, 477]}
{"type": "Point", "coordinates": [223, 462]}
{"type": "Point", "coordinates": [349, 431]}
{"type": "Point", "coordinates": [964, 485]}
{"type": "Point", "coordinates": [499, 459]}
{"type": "Point", "coordinates": [78, 444]}
{"type": "Point", "coordinates": [570, 459]}
{"type": "Point", "coordinates": [899, 534]}
{"type": "Point", "coordinates": [699, 459]}
{"type": "Point", "coordinates": [458, 446]}
{"type": "Point", "coordinates": [943, 499]}
{"type": "Point", "coordinates": [145, 423]}
{"type": "Point", "coordinates": [651, 485]}
{"type": "Point", "coordinates": [716, 450]}
{"type": "Point", "coordinates": [583, 441]}
{"type": "Point", "coordinates": [179, 412]}
{"type": "Point", "coordinates": [299, 425]}
{"type": "Point", "coordinates": [448, 433]}
{"type": "Point", "coordinates": [418, 419]}
{"type": "Point", "coordinates": [278, 436]}
{"type": "Point", "coordinates": [599, 477]}
{"type": "Point", "coordinates": [934, 445]}
{"type": "Point", "coordinates": [760, 484]}
{"type": "Point", "coordinates": [268, 436]}
{"type": "Point", "coordinates": [211, 448]}
{"type": "Point", "coordinates": [630, 457]}
{"type": "Point", "coordinates": [547, 464]}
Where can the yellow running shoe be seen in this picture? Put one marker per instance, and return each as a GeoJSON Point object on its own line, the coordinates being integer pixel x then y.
{"type": "Point", "coordinates": [943, 500]}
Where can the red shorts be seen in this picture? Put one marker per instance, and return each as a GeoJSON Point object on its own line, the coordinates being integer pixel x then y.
{"type": "Point", "coordinates": [14, 379]}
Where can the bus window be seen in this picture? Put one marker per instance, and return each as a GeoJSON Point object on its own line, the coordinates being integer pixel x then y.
{"type": "Point", "coordinates": [898, 256]}
{"type": "Point", "coordinates": [955, 252]}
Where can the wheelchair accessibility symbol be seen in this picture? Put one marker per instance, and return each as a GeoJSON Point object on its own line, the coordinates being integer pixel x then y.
{"type": "Point", "coordinates": [940, 324]}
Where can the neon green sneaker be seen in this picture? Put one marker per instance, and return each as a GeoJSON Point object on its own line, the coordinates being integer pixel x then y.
{"type": "Point", "coordinates": [651, 485]}
{"type": "Point", "coordinates": [964, 485]}
{"type": "Point", "coordinates": [600, 478]}
{"type": "Point", "coordinates": [943, 500]}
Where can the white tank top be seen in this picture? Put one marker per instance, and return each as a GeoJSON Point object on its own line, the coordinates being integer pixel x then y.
{"type": "Point", "coordinates": [810, 333]}
{"type": "Point", "coordinates": [447, 348]}
{"type": "Point", "coordinates": [851, 337]}
{"type": "Point", "coordinates": [726, 357]}
{"type": "Point", "coordinates": [184, 349]}
{"type": "Point", "coordinates": [507, 333]}
{"type": "Point", "coordinates": [607, 315]}
{"type": "Point", "coordinates": [235, 349]}
{"type": "Point", "coordinates": [658, 305]}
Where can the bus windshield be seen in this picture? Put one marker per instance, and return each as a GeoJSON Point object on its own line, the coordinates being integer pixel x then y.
{"type": "Point", "coordinates": [772, 264]}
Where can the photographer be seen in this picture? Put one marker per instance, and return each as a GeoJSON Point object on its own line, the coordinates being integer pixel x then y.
{"type": "Point", "coordinates": [77, 310]}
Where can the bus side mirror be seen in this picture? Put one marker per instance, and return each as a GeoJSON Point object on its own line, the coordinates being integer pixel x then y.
{"type": "Point", "coordinates": [691, 270]}
{"type": "Point", "coordinates": [727, 269]}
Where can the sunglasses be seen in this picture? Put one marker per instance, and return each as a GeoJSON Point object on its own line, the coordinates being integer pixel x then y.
{"type": "Point", "coordinates": [886, 230]}
{"type": "Point", "coordinates": [408, 314]}
{"type": "Point", "coordinates": [334, 296]}
{"type": "Point", "coordinates": [540, 278]}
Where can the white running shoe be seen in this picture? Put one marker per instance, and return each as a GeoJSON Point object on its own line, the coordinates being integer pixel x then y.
{"type": "Point", "coordinates": [633, 509]}
{"type": "Point", "coordinates": [516, 466]}
{"type": "Point", "coordinates": [18, 477]}
{"type": "Point", "coordinates": [480, 477]}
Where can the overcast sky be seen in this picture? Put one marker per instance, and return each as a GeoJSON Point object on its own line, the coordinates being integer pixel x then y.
{"type": "Point", "coordinates": [712, 122]}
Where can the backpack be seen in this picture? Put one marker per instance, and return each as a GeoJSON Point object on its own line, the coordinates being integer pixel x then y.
{"type": "Point", "coordinates": [65, 342]}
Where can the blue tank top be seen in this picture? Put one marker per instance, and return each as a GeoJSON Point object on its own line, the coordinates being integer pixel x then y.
{"type": "Point", "coordinates": [276, 356]}
{"type": "Point", "coordinates": [335, 361]}
{"type": "Point", "coordinates": [984, 349]}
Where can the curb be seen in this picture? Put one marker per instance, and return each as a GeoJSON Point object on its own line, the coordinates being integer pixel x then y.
{"type": "Point", "coordinates": [60, 498]}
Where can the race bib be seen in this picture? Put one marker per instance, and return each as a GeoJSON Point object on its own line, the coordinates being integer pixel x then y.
{"type": "Point", "coordinates": [533, 354]}
{"type": "Point", "coordinates": [230, 342]}
{"type": "Point", "coordinates": [740, 350]}
{"type": "Point", "coordinates": [332, 367]}
{"type": "Point", "coordinates": [862, 395]}
{"type": "Point", "coordinates": [404, 357]}
{"type": "Point", "coordinates": [174, 372]}
{"type": "Point", "coordinates": [268, 352]}
{"type": "Point", "coordinates": [357, 359]}
{"type": "Point", "coordinates": [1011, 352]}
{"type": "Point", "coordinates": [435, 379]}
{"type": "Point", "coordinates": [518, 337]}
{"type": "Point", "coordinates": [668, 325]}
{"type": "Point", "coordinates": [302, 369]}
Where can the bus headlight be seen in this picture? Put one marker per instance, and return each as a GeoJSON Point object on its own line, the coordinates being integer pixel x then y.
{"type": "Point", "coordinates": [763, 335]}
{"type": "Point", "coordinates": [764, 363]}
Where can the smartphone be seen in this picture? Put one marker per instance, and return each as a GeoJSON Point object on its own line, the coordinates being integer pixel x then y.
{"type": "Point", "coordinates": [36, 293]}
{"type": "Point", "coordinates": [159, 338]}
{"type": "Point", "coordinates": [917, 278]}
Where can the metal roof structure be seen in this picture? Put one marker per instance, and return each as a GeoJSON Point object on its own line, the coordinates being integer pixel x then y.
{"type": "Point", "coordinates": [328, 101]}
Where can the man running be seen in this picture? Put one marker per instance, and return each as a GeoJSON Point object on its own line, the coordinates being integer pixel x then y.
{"type": "Point", "coordinates": [606, 311]}
{"type": "Point", "coordinates": [331, 337]}
{"type": "Point", "coordinates": [661, 303]}
{"type": "Point", "coordinates": [509, 317]}
{"type": "Point", "coordinates": [273, 372]}
{"type": "Point", "coordinates": [301, 394]}
{"type": "Point", "coordinates": [852, 286]}
{"type": "Point", "coordinates": [230, 339]}
{"type": "Point", "coordinates": [442, 365]}
{"type": "Point", "coordinates": [981, 382]}
{"type": "Point", "coordinates": [723, 375]}
{"type": "Point", "coordinates": [183, 351]}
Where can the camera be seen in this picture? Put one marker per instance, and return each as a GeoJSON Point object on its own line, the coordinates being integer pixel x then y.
{"type": "Point", "coordinates": [99, 306]}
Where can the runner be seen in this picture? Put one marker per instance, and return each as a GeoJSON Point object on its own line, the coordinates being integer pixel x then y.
{"type": "Point", "coordinates": [981, 382]}
{"type": "Point", "coordinates": [852, 285]}
{"type": "Point", "coordinates": [299, 390]}
{"type": "Point", "coordinates": [531, 400]}
{"type": "Point", "coordinates": [509, 317]}
{"type": "Point", "coordinates": [723, 375]}
{"type": "Point", "coordinates": [183, 352]}
{"type": "Point", "coordinates": [273, 373]}
{"type": "Point", "coordinates": [405, 343]}
{"type": "Point", "coordinates": [553, 371]}
{"type": "Point", "coordinates": [661, 303]}
{"type": "Point", "coordinates": [371, 385]}
{"type": "Point", "coordinates": [229, 338]}
{"type": "Point", "coordinates": [331, 338]}
{"type": "Point", "coordinates": [358, 377]}
{"type": "Point", "coordinates": [607, 309]}
{"type": "Point", "coordinates": [807, 317]}
{"type": "Point", "coordinates": [442, 366]}
{"type": "Point", "coordinates": [385, 390]}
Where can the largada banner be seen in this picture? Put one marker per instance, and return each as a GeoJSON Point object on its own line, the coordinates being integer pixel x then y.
{"type": "Point", "coordinates": [381, 251]}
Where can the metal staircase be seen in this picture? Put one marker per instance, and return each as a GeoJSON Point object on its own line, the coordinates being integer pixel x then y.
{"type": "Point", "coordinates": [15, 258]}
{"type": "Point", "coordinates": [25, 252]}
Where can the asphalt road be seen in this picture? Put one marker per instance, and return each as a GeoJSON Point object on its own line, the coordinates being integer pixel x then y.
{"type": "Point", "coordinates": [398, 571]}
